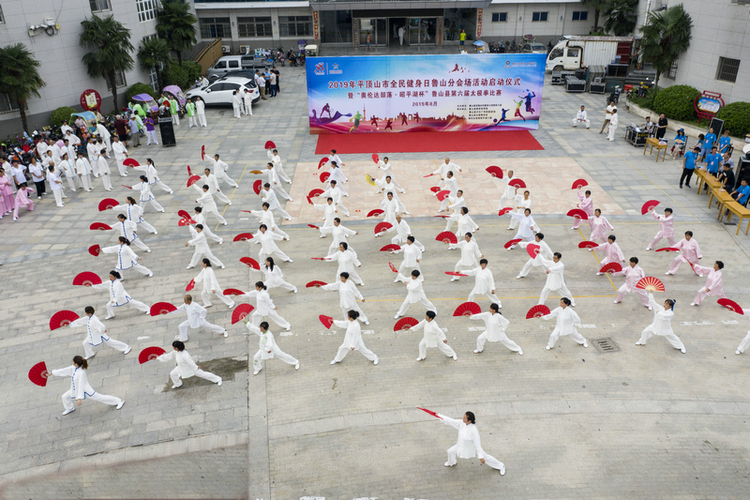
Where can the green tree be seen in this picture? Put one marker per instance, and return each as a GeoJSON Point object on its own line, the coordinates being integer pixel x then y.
{"type": "Point", "coordinates": [598, 6]}
{"type": "Point", "coordinates": [621, 16]}
{"type": "Point", "coordinates": [111, 49]}
{"type": "Point", "coordinates": [176, 24]}
{"type": "Point", "coordinates": [152, 54]}
{"type": "Point", "coordinates": [19, 76]}
{"type": "Point", "coordinates": [666, 35]}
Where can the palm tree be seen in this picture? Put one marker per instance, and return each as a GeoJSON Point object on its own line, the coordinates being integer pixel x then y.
{"type": "Point", "coordinates": [621, 16]}
{"type": "Point", "coordinates": [598, 6]}
{"type": "Point", "coordinates": [110, 41]}
{"type": "Point", "coordinates": [666, 35]}
{"type": "Point", "coordinates": [176, 24]}
{"type": "Point", "coordinates": [152, 54]}
{"type": "Point", "coordinates": [19, 76]}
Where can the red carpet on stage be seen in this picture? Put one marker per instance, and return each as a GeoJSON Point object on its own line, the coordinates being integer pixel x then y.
{"type": "Point", "coordinates": [424, 142]}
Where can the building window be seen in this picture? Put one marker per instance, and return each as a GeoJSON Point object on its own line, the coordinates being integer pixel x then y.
{"type": "Point", "coordinates": [727, 70]}
{"type": "Point", "coordinates": [216, 27]}
{"type": "Point", "coordinates": [672, 71]}
{"type": "Point", "coordinates": [6, 105]}
{"type": "Point", "coordinates": [580, 16]}
{"type": "Point", "coordinates": [99, 5]}
{"type": "Point", "coordinates": [295, 25]}
{"type": "Point", "coordinates": [2, 16]}
{"type": "Point", "coordinates": [539, 17]}
{"type": "Point", "coordinates": [119, 80]}
{"type": "Point", "coordinates": [146, 9]}
{"type": "Point", "coordinates": [499, 17]}
{"type": "Point", "coordinates": [249, 27]}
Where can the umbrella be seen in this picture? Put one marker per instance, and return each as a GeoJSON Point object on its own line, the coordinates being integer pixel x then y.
{"type": "Point", "coordinates": [479, 43]}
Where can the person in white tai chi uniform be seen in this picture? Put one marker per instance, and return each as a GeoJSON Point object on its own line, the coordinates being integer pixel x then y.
{"type": "Point", "coordinates": [153, 175]}
{"type": "Point", "coordinates": [414, 293]}
{"type": "Point", "coordinates": [121, 152]}
{"type": "Point", "coordinates": [386, 167]}
{"type": "Point", "coordinates": [389, 187]}
{"type": "Point", "coordinates": [433, 337]}
{"type": "Point", "coordinates": [526, 226]}
{"type": "Point", "coordinates": [352, 339]}
{"type": "Point", "coordinates": [690, 253]}
{"type": "Point", "coordinates": [273, 277]}
{"type": "Point", "coordinates": [329, 213]}
{"type": "Point", "coordinates": [340, 234]}
{"type": "Point", "coordinates": [126, 258]}
{"type": "Point", "coordinates": [266, 217]}
{"type": "Point", "coordinates": [221, 170]}
{"type": "Point", "coordinates": [522, 202]}
{"type": "Point", "coordinates": [334, 192]}
{"type": "Point", "coordinates": [336, 175]}
{"type": "Point", "coordinates": [146, 195]}
{"type": "Point", "coordinates": [390, 210]}
{"type": "Point", "coordinates": [743, 345]}
{"type": "Point", "coordinates": [484, 283]}
{"type": "Point", "coordinates": [118, 296]}
{"type": "Point", "coordinates": [268, 246]}
{"type": "Point", "coordinates": [612, 250]}
{"type": "Point", "coordinates": [264, 306]}
{"type": "Point", "coordinates": [662, 324]}
{"type": "Point", "coordinates": [267, 347]}
{"type": "Point", "coordinates": [80, 388]}
{"type": "Point", "coordinates": [83, 169]}
{"type": "Point", "coordinates": [201, 247]}
{"type": "Point", "coordinates": [199, 218]}
{"type": "Point", "coordinates": [582, 117]}
{"type": "Point", "coordinates": [186, 367]}
{"type": "Point", "coordinates": [103, 166]}
{"type": "Point", "coordinates": [412, 256]}
{"type": "Point", "coordinates": [448, 184]}
{"type": "Point", "coordinates": [469, 444]}
{"type": "Point", "coordinates": [633, 274]}
{"type": "Point", "coordinates": [200, 111]}
{"type": "Point", "coordinates": [567, 320]}
{"type": "Point", "coordinates": [495, 324]}
{"type": "Point", "coordinates": [470, 254]}
{"type": "Point", "coordinates": [275, 181]}
{"type": "Point", "coordinates": [666, 229]}
{"type": "Point", "coordinates": [135, 214]}
{"type": "Point", "coordinates": [544, 252]}
{"type": "Point", "coordinates": [445, 167]}
{"type": "Point", "coordinates": [196, 318]}
{"type": "Point", "coordinates": [509, 192]}
{"type": "Point", "coordinates": [346, 258]}
{"type": "Point", "coordinates": [209, 179]}
{"type": "Point", "coordinates": [403, 231]}
{"type": "Point", "coordinates": [348, 296]}
{"type": "Point", "coordinates": [713, 286]}
{"type": "Point", "coordinates": [268, 195]}
{"type": "Point", "coordinates": [128, 228]}
{"type": "Point", "coordinates": [206, 279]}
{"type": "Point", "coordinates": [555, 279]}
{"type": "Point", "coordinates": [96, 334]}
{"type": "Point", "coordinates": [209, 205]}
{"type": "Point", "coordinates": [465, 223]}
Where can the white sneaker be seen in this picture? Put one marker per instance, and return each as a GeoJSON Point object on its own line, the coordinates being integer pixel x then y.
{"type": "Point", "coordinates": [334, 362]}
{"type": "Point", "coordinates": [519, 277]}
{"type": "Point", "coordinates": [648, 249]}
{"type": "Point", "coordinates": [447, 464]}
{"type": "Point", "coordinates": [109, 317]}
{"type": "Point", "coordinates": [296, 367]}
{"type": "Point", "coordinates": [585, 344]}
{"type": "Point", "coordinates": [127, 350]}
{"type": "Point", "coordinates": [548, 348]}
{"type": "Point", "coordinates": [176, 386]}
{"type": "Point", "coordinates": [615, 302]}
{"type": "Point", "coordinates": [226, 334]}
{"type": "Point", "coordinates": [89, 357]}
{"type": "Point", "coordinates": [377, 360]}
{"type": "Point", "coordinates": [683, 350]}
{"type": "Point", "coordinates": [220, 382]}
{"type": "Point", "coordinates": [455, 357]}
{"type": "Point", "coordinates": [737, 352]}
{"type": "Point", "coordinates": [120, 405]}
{"type": "Point", "coordinates": [520, 353]}
{"type": "Point", "coordinates": [420, 359]}
{"type": "Point", "coordinates": [502, 470]}
{"type": "Point", "coordinates": [667, 273]}
{"type": "Point", "coordinates": [693, 304]}
{"type": "Point", "coordinates": [68, 412]}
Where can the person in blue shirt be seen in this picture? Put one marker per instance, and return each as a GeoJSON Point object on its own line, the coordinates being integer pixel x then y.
{"type": "Point", "coordinates": [708, 142]}
{"type": "Point", "coordinates": [742, 193]}
{"type": "Point", "coordinates": [713, 163]}
{"type": "Point", "coordinates": [688, 166]}
{"type": "Point", "coordinates": [724, 142]}
{"type": "Point", "coordinates": [679, 143]}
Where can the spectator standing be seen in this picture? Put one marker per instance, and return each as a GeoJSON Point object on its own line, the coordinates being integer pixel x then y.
{"type": "Point", "coordinates": [121, 129]}
{"type": "Point", "coordinates": [727, 176]}
{"type": "Point", "coordinates": [608, 114]}
{"type": "Point", "coordinates": [37, 175]}
{"type": "Point", "coordinates": [278, 78]}
{"type": "Point", "coordinates": [134, 132]}
{"type": "Point", "coordinates": [260, 82]}
{"type": "Point", "coordinates": [272, 83]}
{"type": "Point", "coordinates": [461, 37]}
{"type": "Point", "coordinates": [661, 126]}
{"type": "Point", "coordinates": [688, 166]}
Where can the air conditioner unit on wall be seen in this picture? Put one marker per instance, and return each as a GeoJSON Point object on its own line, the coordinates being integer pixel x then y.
{"type": "Point", "coordinates": [244, 49]}
{"type": "Point", "coordinates": [226, 49]}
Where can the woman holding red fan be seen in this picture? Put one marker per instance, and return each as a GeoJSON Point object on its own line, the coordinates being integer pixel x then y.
{"type": "Point", "coordinates": [80, 388]}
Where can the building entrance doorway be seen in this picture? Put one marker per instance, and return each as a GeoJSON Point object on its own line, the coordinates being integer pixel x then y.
{"type": "Point", "coordinates": [377, 28]}
{"type": "Point", "coordinates": [398, 32]}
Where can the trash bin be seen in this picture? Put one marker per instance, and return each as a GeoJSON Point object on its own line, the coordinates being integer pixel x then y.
{"type": "Point", "coordinates": [167, 132]}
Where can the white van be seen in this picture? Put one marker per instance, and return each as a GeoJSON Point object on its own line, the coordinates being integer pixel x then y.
{"type": "Point", "coordinates": [228, 64]}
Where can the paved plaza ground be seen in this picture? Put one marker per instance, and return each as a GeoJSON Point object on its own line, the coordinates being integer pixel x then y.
{"type": "Point", "coordinates": [641, 422]}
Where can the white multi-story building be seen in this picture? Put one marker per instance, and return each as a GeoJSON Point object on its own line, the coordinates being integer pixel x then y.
{"type": "Point", "coordinates": [57, 48]}
{"type": "Point", "coordinates": [718, 59]}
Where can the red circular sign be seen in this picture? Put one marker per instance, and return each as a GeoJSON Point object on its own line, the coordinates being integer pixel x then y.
{"type": "Point", "coordinates": [90, 99]}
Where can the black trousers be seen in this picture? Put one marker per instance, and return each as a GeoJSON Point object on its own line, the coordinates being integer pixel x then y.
{"type": "Point", "coordinates": [40, 188]}
{"type": "Point", "coordinates": [687, 174]}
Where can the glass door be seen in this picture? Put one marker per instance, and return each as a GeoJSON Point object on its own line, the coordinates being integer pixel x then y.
{"type": "Point", "coordinates": [381, 32]}
{"type": "Point", "coordinates": [422, 31]}
{"type": "Point", "coordinates": [366, 27]}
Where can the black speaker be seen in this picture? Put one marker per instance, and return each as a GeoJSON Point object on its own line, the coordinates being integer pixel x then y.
{"type": "Point", "coordinates": [167, 133]}
{"type": "Point", "coordinates": [717, 125]}
{"type": "Point", "coordinates": [743, 170]}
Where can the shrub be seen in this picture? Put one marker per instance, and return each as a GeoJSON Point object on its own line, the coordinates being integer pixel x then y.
{"type": "Point", "coordinates": [183, 76]}
{"type": "Point", "coordinates": [645, 102]}
{"type": "Point", "coordinates": [677, 102]}
{"type": "Point", "coordinates": [139, 88]}
{"type": "Point", "coordinates": [736, 118]}
{"type": "Point", "coordinates": [60, 114]}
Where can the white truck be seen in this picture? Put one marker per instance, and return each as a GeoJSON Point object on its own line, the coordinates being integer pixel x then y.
{"type": "Point", "coordinates": [574, 52]}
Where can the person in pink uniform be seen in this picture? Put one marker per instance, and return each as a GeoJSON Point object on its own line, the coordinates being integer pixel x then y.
{"type": "Point", "coordinates": [690, 252]}
{"type": "Point", "coordinates": [633, 274]}
{"type": "Point", "coordinates": [587, 205]}
{"type": "Point", "coordinates": [667, 228]}
{"type": "Point", "coordinates": [6, 193]}
{"type": "Point", "coordinates": [599, 227]}
{"type": "Point", "coordinates": [713, 284]}
{"type": "Point", "coordinates": [614, 253]}
{"type": "Point", "coordinates": [22, 198]}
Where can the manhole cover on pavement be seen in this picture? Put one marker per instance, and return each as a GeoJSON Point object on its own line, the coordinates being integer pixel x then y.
{"type": "Point", "coordinates": [605, 345]}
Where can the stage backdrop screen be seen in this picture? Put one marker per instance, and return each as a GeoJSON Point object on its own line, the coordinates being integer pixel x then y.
{"type": "Point", "coordinates": [442, 92]}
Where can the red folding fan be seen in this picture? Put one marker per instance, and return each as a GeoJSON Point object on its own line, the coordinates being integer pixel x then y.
{"type": "Point", "coordinates": [435, 189]}
{"type": "Point", "coordinates": [467, 309]}
{"type": "Point", "coordinates": [537, 311]}
{"type": "Point", "coordinates": [442, 216]}
{"type": "Point", "coordinates": [588, 244]}
{"type": "Point", "coordinates": [650, 204]}
{"type": "Point", "coordinates": [126, 187]}
{"type": "Point", "coordinates": [324, 177]}
{"type": "Point", "coordinates": [326, 320]}
{"type": "Point", "coordinates": [443, 195]}
{"type": "Point", "coordinates": [317, 258]}
{"type": "Point", "coordinates": [316, 284]}
{"type": "Point", "coordinates": [192, 180]}
{"type": "Point", "coordinates": [516, 183]}
{"type": "Point", "coordinates": [162, 308]}
{"type": "Point", "coordinates": [451, 273]}
{"type": "Point", "coordinates": [95, 250]}
{"type": "Point", "coordinates": [495, 171]}
{"type": "Point", "coordinates": [731, 305]}
{"type": "Point", "coordinates": [512, 242]}
{"type": "Point", "coordinates": [533, 250]}
{"type": "Point", "coordinates": [390, 248]}
{"type": "Point", "coordinates": [430, 412]}
{"type": "Point", "coordinates": [86, 279]}
{"type": "Point", "coordinates": [240, 312]}
{"type": "Point", "coordinates": [107, 204]}
{"type": "Point", "coordinates": [322, 162]}
{"type": "Point", "coordinates": [383, 227]}
{"type": "Point", "coordinates": [375, 158]}
{"type": "Point", "coordinates": [100, 226]}
{"type": "Point", "coordinates": [578, 184]}
{"type": "Point", "coordinates": [233, 291]}
{"type": "Point", "coordinates": [650, 284]}
{"type": "Point", "coordinates": [578, 214]}
{"type": "Point", "coordinates": [405, 324]}
{"type": "Point", "coordinates": [62, 318]}
{"type": "Point", "coordinates": [190, 286]}
{"type": "Point", "coordinates": [668, 249]}
{"type": "Point", "coordinates": [447, 237]}
{"type": "Point", "coordinates": [249, 261]}
{"type": "Point", "coordinates": [203, 153]}
{"type": "Point", "coordinates": [183, 214]}
{"type": "Point", "coordinates": [375, 213]}
{"type": "Point", "coordinates": [243, 237]}
{"type": "Point", "coordinates": [131, 162]}
{"type": "Point", "coordinates": [315, 192]}
{"type": "Point", "coordinates": [257, 185]}
{"type": "Point", "coordinates": [428, 175]}
{"type": "Point", "coordinates": [39, 374]}
{"type": "Point", "coordinates": [269, 145]}
{"type": "Point", "coordinates": [150, 353]}
{"type": "Point", "coordinates": [504, 211]}
{"type": "Point", "coordinates": [185, 222]}
{"type": "Point", "coordinates": [393, 268]}
{"type": "Point", "coordinates": [612, 267]}
{"type": "Point", "coordinates": [190, 172]}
